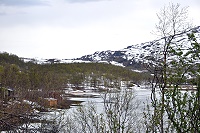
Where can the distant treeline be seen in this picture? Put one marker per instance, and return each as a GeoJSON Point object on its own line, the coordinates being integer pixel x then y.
{"type": "Point", "coordinates": [23, 76]}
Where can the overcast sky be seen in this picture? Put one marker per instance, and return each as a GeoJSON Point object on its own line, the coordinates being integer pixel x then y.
{"type": "Point", "coordinates": [72, 28]}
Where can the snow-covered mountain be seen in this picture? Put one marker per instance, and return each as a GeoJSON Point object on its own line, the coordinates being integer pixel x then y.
{"type": "Point", "coordinates": [133, 56]}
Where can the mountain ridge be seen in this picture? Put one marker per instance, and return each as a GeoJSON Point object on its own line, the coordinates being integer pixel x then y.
{"type": "Point", "coordinates": [132, 56]}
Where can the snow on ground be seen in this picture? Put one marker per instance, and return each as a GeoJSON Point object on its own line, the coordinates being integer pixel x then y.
{"type": "Point", "coordinates": [73, 61]}
{"type": "Point", "coordinates": [117, 64]}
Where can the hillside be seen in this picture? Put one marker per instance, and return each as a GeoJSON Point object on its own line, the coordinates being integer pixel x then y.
{"type": "Point", "coordinates": [16, 73]}
{"type": "Point", "coordinates": [134, 55]}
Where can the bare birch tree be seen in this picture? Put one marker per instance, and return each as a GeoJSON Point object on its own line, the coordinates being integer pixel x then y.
{"type": "Point", "coordinates": [118, 114]}
{"type": "Point", "coordinates": [172, 23]}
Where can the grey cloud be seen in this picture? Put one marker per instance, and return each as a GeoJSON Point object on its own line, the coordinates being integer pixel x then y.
{"type": "Point", "coordinates": [2, 13]}
{"type": "Point", "coordinates": [22, 2]}
{"type": "Point", "coordinates": [83, 1]}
